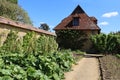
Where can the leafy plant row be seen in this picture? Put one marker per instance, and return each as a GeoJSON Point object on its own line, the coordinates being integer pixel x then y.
{"type": "Point", "coordinates": [103, 43]}
{"type": "Point", "coordinates": [31, 58]}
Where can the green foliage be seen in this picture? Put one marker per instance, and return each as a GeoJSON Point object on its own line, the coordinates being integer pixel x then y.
{"type": "Point", "coordinates": [47, 44]}
{"type": "Point", "coordinates": [79, 52]}
{"type": "Point", "coordinates": [72, 39]}
{"type": "Point", "coordinates": [116, 33]}
{"type": "Point", "coordinates": [13, 1]}
{"type": "Point", "coordinates": [44, 26]}
{"type": "Point", "coordinates": [10, 10]}
{"type": "Point", "coordinates": [28, 63]}
{"type": "Point", "coordinates": [118, 55]}
{"type": "Point", "coordinates": [106, 43]}
{"type": "Point", "coordinates": [29, 43]}
{"type": "Point", "coordinates": [10, 43]}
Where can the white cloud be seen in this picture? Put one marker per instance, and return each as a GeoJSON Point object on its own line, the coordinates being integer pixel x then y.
{"type": "Point", "coordinates": [110, 14]}
{"type": "Point", "coordinates": [104, 23]}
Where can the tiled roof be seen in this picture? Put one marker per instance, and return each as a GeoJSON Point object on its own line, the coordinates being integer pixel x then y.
{"type": "Point", "coordinates": [23, 26]}
{"type": "Point", "coordinates": [85, 22]}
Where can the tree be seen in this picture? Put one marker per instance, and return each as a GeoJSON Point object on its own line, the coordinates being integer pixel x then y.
{"type": "Point", "coordinates": [118, 33]}
{"type": "Point", "coordinates": [44, 26]}
{"type": "Point", "coordinates": [9, 9]}
{"type": "Point", "coordinates": [13, 1]}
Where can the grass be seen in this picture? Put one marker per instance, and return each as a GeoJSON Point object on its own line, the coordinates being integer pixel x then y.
{"type": "Point", "coordinates": [110, 67]}
{"type": "Point", "coordinates": [78, 54]}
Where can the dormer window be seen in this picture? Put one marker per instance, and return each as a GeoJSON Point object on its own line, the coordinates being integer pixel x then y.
{"type": "Point", "coordinates": [76, 21]}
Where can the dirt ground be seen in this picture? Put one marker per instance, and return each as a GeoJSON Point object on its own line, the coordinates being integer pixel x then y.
{"type": "Point", "coordinates": [86, 69]}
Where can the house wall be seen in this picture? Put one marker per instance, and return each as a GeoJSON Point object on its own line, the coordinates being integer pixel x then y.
{"type": "Point", "coordinates": [91, 32]}
{"type": "Point", "coordinates": [82, 34]}
{"type": "Point", "coordinates": [88, 44]}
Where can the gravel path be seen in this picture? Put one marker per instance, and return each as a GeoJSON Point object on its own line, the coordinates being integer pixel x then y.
{"type": "Point", "coordinates": [86, 69]}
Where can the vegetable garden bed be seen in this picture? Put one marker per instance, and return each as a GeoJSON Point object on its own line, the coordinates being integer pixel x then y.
{"type": "Point", "coordinates": [110, 66]}
{"type": "Point", "coordinates": [33, 58]}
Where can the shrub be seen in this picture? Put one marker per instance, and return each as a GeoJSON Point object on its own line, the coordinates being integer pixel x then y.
{"type": "Point", "coordinates": [106, 43]}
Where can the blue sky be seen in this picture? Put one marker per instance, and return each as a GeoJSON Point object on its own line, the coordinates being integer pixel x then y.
{"type": "Point", "coordinates": [53, 11]}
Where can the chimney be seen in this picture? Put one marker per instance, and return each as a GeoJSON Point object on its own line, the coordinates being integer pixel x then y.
{"type": "Point", "coordinates": [94, 19]}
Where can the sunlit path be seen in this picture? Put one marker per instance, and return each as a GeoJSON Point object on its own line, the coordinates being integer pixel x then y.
{"type": "Point", "coordinates": [87, 69]}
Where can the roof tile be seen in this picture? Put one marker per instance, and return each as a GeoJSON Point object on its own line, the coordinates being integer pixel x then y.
{"type": "Point", "coordinates": [85, 22]}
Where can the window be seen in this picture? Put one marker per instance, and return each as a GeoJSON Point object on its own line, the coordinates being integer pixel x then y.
{"type": "Point", "coordinates": [76, 21]}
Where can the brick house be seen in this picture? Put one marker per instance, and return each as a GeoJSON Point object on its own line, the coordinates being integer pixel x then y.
{"type": "Point", "coordinates": [79, 21]}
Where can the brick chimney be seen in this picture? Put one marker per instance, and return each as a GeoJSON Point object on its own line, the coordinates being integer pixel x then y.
{"type": "Point", "coordinates": [94, 19]}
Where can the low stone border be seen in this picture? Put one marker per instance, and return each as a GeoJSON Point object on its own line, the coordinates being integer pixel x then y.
{"type": "Point", "coordinates": [100, 68]}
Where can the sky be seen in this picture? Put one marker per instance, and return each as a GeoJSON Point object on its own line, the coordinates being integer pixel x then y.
{"type": "Point", "coordinates": [52, 12]}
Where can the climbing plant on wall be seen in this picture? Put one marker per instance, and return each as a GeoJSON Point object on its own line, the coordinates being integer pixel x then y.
{"type": "Point", "coordinates": [72, 39]}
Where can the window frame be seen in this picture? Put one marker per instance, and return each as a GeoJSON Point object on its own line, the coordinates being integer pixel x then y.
{"type": "Point", "coordinates": [75, 21]}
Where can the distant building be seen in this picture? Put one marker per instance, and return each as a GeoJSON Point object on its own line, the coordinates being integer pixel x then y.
{"type": "Point", "coordinates": [78, 20]}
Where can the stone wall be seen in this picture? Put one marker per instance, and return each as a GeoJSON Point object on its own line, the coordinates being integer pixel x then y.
{"type": "Point", "coordinates": [88, 44]}
{"type": "Point", "coordinates": [5, 28]}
